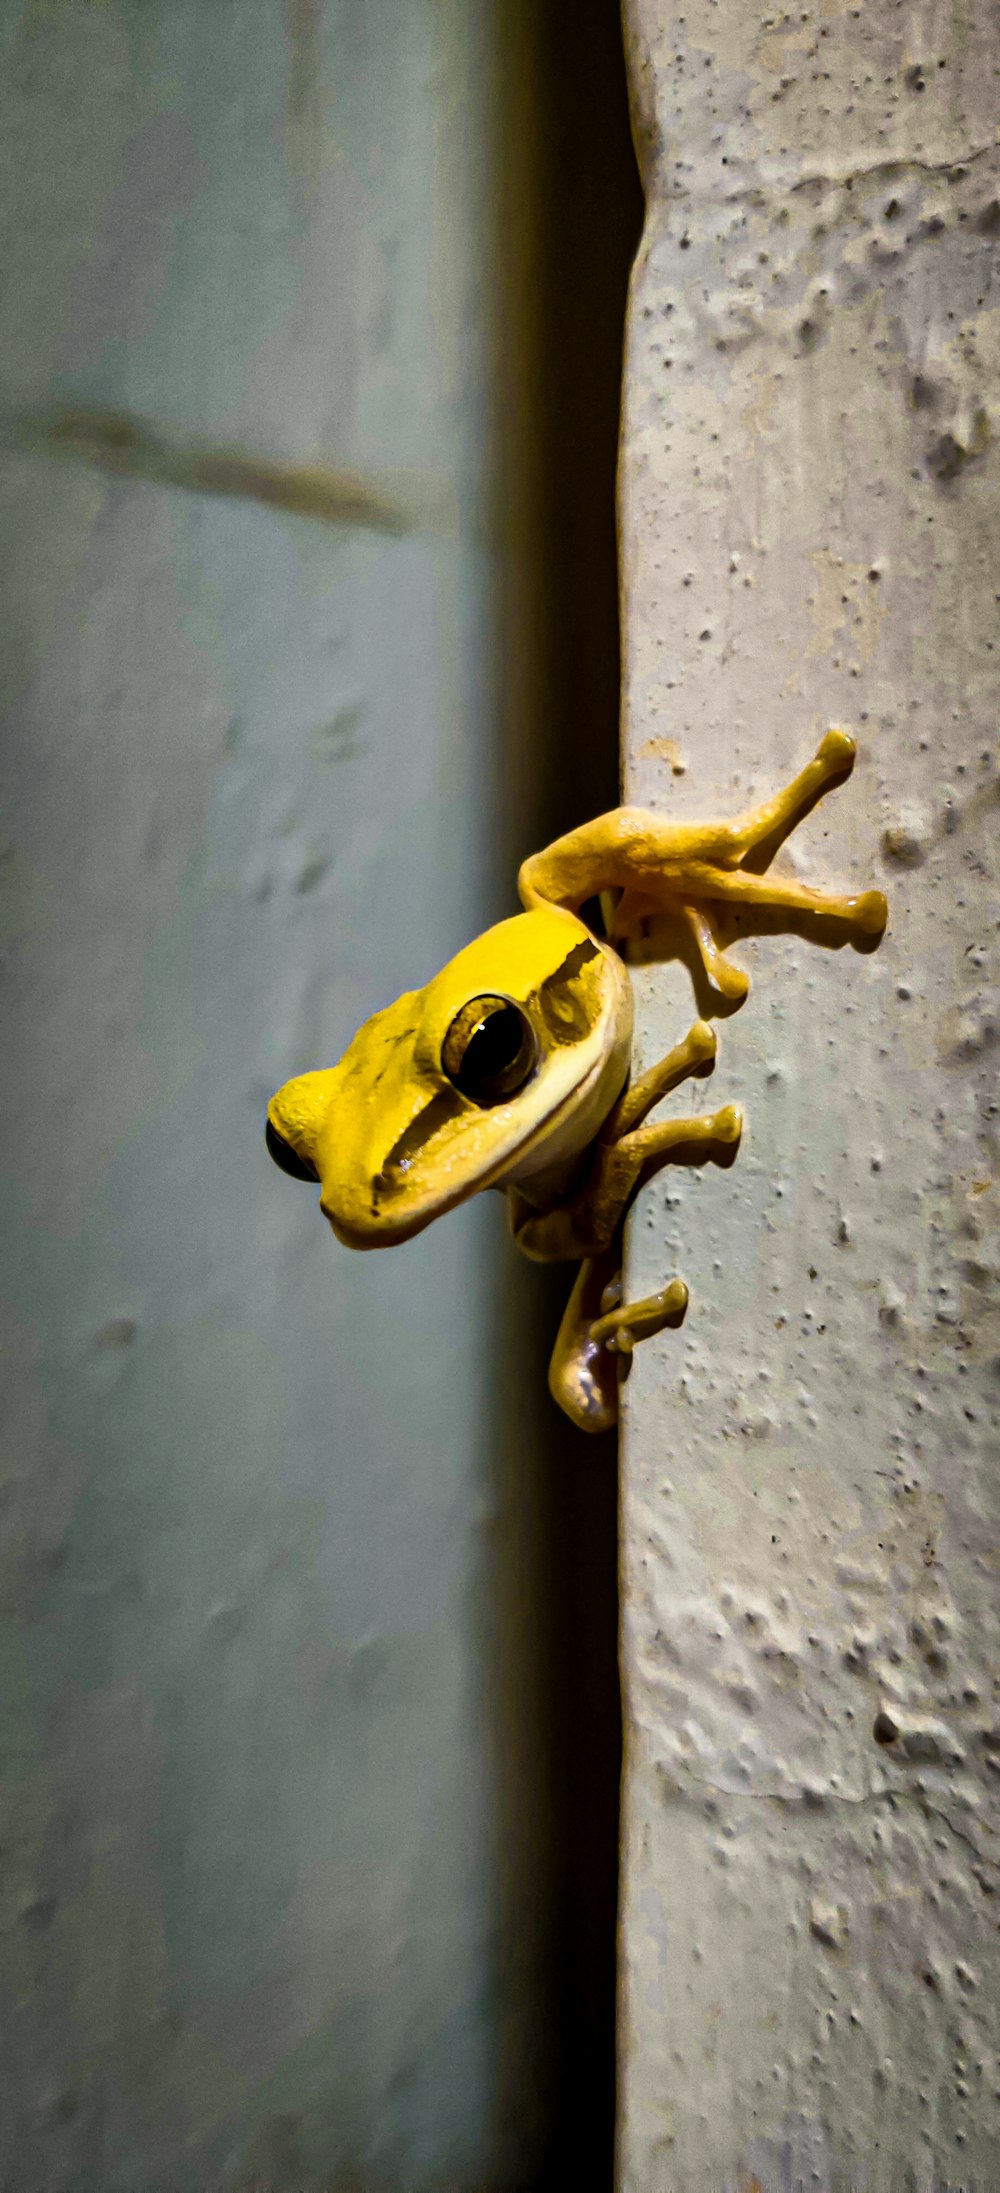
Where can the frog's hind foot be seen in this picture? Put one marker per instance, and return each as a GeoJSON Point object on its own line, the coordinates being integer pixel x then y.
{"type": "Point", "coordinates": [597, 1336]}
{"type": "Point", "coordinates": [624, 1324]}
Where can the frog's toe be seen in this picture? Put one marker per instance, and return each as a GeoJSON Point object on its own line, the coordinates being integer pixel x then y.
{"type": "Point", "coordinates": [727, 1125]}
{"type": "Point", "coordinates": [837, 750]}
{"type": "Point", "coordinates": [731, 982]}
{"type": "Point", "coordinates": [872, 912]}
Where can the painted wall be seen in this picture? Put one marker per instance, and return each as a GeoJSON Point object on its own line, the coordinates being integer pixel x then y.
{"type": "Point", "coordinates": [272, 1906]}
{"type": "Point", "coordinates": [812, 1843]}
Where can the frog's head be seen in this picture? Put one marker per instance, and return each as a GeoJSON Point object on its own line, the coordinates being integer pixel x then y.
{"type": "Point", "coordinates": [507, 1063]}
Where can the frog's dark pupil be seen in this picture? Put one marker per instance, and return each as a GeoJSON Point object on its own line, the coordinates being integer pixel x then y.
{"type": "Point", "coordinates": [489, 1052]}
{"type": "Point", "coordinates": [492, 1047]}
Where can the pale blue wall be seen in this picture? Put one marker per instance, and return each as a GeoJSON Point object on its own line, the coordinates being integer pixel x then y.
{"type": "Point", "coordinates": [256, 1924]}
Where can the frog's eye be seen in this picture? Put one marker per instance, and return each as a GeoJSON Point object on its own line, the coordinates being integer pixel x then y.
{"type": "Point", "coordinates": [490, 1050]}
{"type": "Point", "coordinates": [289, 1160]}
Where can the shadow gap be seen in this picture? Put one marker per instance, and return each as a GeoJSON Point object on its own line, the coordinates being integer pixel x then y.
{"type": "Point", "coordinates": [569, 213]}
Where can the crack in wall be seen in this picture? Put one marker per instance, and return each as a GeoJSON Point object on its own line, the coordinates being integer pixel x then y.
{"type": "Point", "coordinates": [118, 443]}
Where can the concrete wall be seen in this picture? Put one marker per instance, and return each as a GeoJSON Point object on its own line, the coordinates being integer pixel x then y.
{"type": "Point", "coordinates": [812, 1846]}
{"type": "Point", "coordinates": [273, 1888]}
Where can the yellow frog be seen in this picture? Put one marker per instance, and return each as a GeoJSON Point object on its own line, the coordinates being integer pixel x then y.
{"type": "Point", "coordinates": [510, 1069]}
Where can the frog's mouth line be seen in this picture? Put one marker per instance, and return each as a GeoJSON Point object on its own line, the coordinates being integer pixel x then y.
{"type": "Point", "coordinates": [563, 1022]}
{"type": "Point", "coordinates": [445, 1106]}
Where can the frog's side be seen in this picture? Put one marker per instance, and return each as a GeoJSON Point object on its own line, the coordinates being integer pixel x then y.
{"type": "Point", "coordinates": [510, 1070]}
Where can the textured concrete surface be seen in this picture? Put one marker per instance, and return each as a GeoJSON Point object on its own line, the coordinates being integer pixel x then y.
{"type": "Point", "coordinates": [811, 1529]}
{"type": "Point", "coordinates": [269, 1911]}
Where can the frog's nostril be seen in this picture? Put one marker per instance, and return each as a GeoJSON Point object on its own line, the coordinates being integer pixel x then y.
{"type": "Point", "coordinates": [288, 1159]}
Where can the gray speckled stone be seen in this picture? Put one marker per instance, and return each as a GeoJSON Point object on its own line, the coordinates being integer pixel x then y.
{"type": "Point", "coordinates": [811, 1529]}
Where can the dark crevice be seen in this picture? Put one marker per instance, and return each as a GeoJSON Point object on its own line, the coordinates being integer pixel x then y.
{"type": "Point", "coordinates": [569, 212]}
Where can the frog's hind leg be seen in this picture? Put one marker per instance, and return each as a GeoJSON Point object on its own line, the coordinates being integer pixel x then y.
{"type": "Point", "coordinates": [596, 1338]}
{"type": "Point", "coordinates": [623, 1324]}
{"type": "Point", "coordinates": [599, 1330]}
{"type": "Point", "coordinates": [583, 1373]}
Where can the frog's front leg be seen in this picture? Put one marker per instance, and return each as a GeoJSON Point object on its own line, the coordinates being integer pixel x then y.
{"type": "Point", "coordinates": [585, 1223]}
{"type": "Point", "coordinates": [620, 1166]}
{"type": "Point", "coordinates": [597, 1332]}
{"type": "Point", "coordinates": [683, 868]}
{"type": "Point", "coordinates": [695, 1054]}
